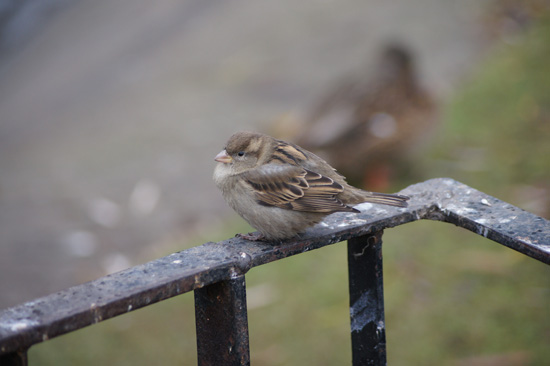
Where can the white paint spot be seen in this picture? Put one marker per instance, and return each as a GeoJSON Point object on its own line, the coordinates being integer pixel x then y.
{"type": "Point", "coordinates": [363, 206]}
{"type": "Point", "coordinates": [485, 202]}
{"type": "Point", "coordinates": [19, 326]}
{"type": "Point", "coordinates": [233, 274]}
{"type": "Point", "coordinates": [352, 222]}
{"type": "Point", "coordinates": [459, 210]}
{"type": "Point", "coordinates": [177, 261]}
{"type": "Point", "coordinates": [362, 312]}
{"type": "Point", "coordinates": [524, 239]}
{"type": "Point", "coordinates": [380, 327]}
{"type": "Point", "coordinates": [483, 231]}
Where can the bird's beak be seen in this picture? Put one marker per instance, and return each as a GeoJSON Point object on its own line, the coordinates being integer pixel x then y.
{"type": "Point", "coordinates": [222, 157]}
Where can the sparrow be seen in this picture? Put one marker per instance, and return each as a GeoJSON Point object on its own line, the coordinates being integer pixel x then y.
{"type": "Point", "coordinates": [281, 189]}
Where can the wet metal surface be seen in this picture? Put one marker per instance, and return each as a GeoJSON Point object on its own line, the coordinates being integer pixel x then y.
{"type": "Point", "coordinates": [222, 323]}
{"type": "Point", "coordinates": [438, 199]}
{"type": "Point", "coordinates": [18, 358]}
{"type": "Point", "coordinates": [366, 298]}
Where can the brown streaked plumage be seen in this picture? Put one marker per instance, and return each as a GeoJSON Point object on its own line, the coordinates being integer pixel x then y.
{"type": "Point", "coordinates": [281, 189]}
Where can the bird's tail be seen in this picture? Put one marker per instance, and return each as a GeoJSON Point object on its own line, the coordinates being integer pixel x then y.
{"type": "Point", "coordinates": [386, 199]}
{"type": "Point", "coordinates": [357, 196]}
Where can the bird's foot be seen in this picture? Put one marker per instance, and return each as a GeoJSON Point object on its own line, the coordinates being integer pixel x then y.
{"type": "Point", "coordinates": [252, 236]}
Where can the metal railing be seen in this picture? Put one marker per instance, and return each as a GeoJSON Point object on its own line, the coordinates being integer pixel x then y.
{"type": "Point", "coordinates": [216, 272]}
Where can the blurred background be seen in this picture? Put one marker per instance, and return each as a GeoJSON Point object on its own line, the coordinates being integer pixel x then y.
{"type": "Point", "coordinates": [111, 113]}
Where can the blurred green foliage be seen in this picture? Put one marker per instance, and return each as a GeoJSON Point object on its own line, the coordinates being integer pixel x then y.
{"type": "Point", "coordinates": [452, 297]}
{"type": "Point", "coordinates": [497, 128]}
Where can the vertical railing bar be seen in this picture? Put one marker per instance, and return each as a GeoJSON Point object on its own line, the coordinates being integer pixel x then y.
{"type": "Point", "coordinates": [222, 324]}
{"type": "Point", "coordinates": [368, 331]}
{"type": "Point", "coordinates": [14, 359]}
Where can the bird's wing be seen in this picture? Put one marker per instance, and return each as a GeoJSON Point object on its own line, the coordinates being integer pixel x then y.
{"type": "Point", "coordinates": [295, 188]}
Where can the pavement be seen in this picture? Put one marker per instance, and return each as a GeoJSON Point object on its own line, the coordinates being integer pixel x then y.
{"type": "Point", "coordinates": [112, 112]}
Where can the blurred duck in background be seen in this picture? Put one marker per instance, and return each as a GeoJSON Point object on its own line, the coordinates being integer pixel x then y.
{"type": "Point", "coordinates": [368, 127]}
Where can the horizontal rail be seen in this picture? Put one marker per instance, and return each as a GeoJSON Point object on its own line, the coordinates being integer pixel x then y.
{"type": "Point", "coordinates": [437, 199]}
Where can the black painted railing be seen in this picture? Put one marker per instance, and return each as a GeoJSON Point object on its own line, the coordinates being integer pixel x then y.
{"type": "Point", "coordinates": [216, 272]}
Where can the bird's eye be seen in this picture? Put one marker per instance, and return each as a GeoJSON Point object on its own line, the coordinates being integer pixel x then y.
{"type": "Point", "coordinates": [240, 153]}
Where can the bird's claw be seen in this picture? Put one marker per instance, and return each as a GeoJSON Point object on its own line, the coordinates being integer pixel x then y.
{"type": "Point", "coordinates": [252, 236]}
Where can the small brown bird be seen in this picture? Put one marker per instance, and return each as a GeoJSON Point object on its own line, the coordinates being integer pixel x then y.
{"type": "Point", "coordinates": [281, 189]}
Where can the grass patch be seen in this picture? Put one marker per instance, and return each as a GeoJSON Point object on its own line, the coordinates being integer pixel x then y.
{"type": "Point", "coordinates": [497, 129]}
